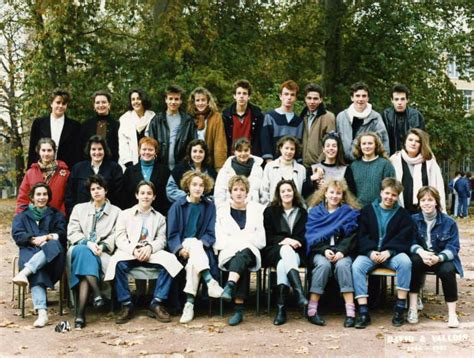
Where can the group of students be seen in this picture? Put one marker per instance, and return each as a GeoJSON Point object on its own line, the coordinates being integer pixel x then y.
{"type": "Point", "coordinates": [253, 216]}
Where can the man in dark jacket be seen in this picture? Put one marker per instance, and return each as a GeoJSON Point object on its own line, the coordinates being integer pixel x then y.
{"type": "Point", "coordinates": [384, 239]}
{"type": "Point", "coordinates": [400, 118]}
{"type": "Point", "coordinates": [57, 126]}
{"type": "Point", "coordinates": [172, 128]}
{"type": "Point", "coordinates": [462, 187]}
{"type": "Point", "coordinates": [243, 119]}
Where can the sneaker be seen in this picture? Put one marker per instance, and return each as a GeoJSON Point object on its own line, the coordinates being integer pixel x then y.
{"type": "Point", "coordinates": [419, 304]}
{"type": "Point", "coordinates": [42, 319]}
{"type": "Point", "coordinates": [453, 321]}
{"type": "Point", "coordinates": [188, 313]}
{"type": "Point", "coordinates": [412, 316]}
{"type": "Point", "coordinates": [20, 279]}
{"type": "Point", "coordinates": [213, 289]}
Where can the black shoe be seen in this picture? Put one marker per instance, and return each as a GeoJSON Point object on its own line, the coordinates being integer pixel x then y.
{"type": "Point", "coordinates": [317, 320]}
{"type": "Point", "coordinates": [79, 323]}
{"type": "Point", "coordinates": [228, 293]}
{"type": "Point", "coordinates": [125, 315]}
{"type": "Point", "coordinates": [362, 321]}
{"type": "Point", "coordinates": [295, 281]}
{"type": "Point", "coordinates": [398, 319]}
{"type": "Point", "coordinates": [349, 322]}
{"type": "Point", "coordinates": [98, 302]}
{"type": "Point", "coordinates": [280, 317]}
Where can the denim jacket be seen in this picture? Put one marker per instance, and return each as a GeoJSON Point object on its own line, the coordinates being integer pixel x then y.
{"type": "Point", "coordinates": [444, 238]}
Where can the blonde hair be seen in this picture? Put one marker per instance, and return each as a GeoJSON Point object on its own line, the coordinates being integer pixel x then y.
{"type": "Point", "coordinates": [211, 102]}
{"type": "Point", "coordinates": [188, 177]}
{"type": "Point", "coordinates": [347, 197]}
{"type": "Point", "coordinates": [239, 179]}
{"type": "Point", "coordinates": [379, 148]}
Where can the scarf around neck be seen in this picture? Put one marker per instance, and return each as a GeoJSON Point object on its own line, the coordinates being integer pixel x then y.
{"type": "Point", "coordinates": [242, 168]}
{"type": "Point", "coordinates": [48, 170]}
{"type": "Point", "coordinates": [362, 115]}
{"type": "Point", "coordinates": [417, 177]}
{"type": "Point", "coordinates": [322, 224]}
{"type": "Point", "coordinates": [38, 213]}
{"type": "Point", "coordinates": [200, 118]}
{"type": "Point", "coordinates": [142, 123]}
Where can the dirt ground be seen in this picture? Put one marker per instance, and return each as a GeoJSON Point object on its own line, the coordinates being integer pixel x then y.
{"type": "Point", "coordinates": [256, 336]}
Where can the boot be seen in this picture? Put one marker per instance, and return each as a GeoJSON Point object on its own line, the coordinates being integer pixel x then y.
{"type": "Point", "coordinates": [280, 317]}
{"type": "Point", "coordinates": [295, 281]}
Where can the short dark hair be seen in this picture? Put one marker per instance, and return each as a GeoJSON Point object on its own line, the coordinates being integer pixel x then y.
{"type": "Point", "coordinates": [146, 102]}
{"type": "Point", "coordinates": [58, 92]}
{"type": "Point", "coordinates": [359, 86]}
{"type": "Point", "coordinates": [174, 89]}
{"type": "Point", "coordinates": [46, 140]}
{"type": "Point", "coordinates": [289, 138]}
{"type": "Point", "coordinates": [400, 88]}
{"type": "Point", "coordinates": [102, 93]}
{"type": "Point", "coordinates": [313, 87]}
{"type": "Point", "coordinates": [31, 194]}
{"type": "Point", "coordinates": [241, 142]}
{"type": "Point", "coordinates": [97, 179]}
{"type": "Point", "coordinates": [97, 139]}
{"type": "Point", "coordinates": [145, 182]}
{"type": "Point", "coordinates": [432, 191]}
{"type": "Point", "coordinates": [203, 145]}
{"type": "Point", "coordinates": [243, 84]}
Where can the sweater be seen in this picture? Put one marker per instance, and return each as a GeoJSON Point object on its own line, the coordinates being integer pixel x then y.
{"type": "Point", "coordinates": [275, 126]}
{"type": "Point", "coordinates": [368, 177]}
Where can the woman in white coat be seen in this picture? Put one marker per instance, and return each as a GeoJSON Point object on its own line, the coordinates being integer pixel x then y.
{"type": "Point", "coordinates": [240, 236]}
{"type": "Point", "coordinates": [141, 241]}
{"type": "Point", "coordinates": [416, 167]}
{"type": "Point", "coordinates": [133, 126]}
{"type": "Point", "coordinates": [91, 235]}
{"type": "Point", "coordinates": [241, 163]}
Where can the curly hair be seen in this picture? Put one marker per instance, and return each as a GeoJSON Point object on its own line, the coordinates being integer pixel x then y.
{"type": "Point", "coordinates": [379, 148]}
{"type": "Point", "coordinates": [347, 197]}
{"type": "Point", "coordinates": [203, 145]}
{"type": "Point", "coordinates": [211, 102]}
{"type": "Point", "coordinates": [188, 177]}
{"type": "Point", "coordinates": [239, 179]}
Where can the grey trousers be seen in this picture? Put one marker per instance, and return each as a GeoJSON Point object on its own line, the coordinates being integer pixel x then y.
{"type": "Point", "coordinates": [323, 269]}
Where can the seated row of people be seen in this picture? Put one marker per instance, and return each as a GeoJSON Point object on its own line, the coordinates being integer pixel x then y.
{"type": "Point", "coordinates": [241, 237]}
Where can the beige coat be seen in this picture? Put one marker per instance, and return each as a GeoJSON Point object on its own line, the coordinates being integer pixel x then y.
{"type": "Point", "coordinates": [128, 232]}
{"type": "Point", "coordinates": [313, 138]}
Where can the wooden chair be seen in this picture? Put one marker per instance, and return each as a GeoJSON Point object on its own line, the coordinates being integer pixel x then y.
{"type": "Point", "coordinates": [384, 273]}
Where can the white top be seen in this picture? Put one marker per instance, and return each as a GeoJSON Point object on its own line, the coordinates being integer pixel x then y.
{"type": "Point", "coordinates": [57, 125]}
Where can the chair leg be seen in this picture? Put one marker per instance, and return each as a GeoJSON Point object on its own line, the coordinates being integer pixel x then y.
{"type": "Point", "coordinates": [221, 301]}
{"type": "Point", "coordinates": [61, 294]}
{"type": "Point", "coordinates": [21, 300]}
{"type": "Point", "coordinates": [259, 278]}
{"type": "Point", "coordinates": [437, 285]}
{"type": "Point", "coordinates": [269, 292]}
{"type": "Point", "coordinates": [14, 267]}
{"type": "Point", "coordinates": [392, 285]}
{"type": "Point", "coordinates": [384, 289]}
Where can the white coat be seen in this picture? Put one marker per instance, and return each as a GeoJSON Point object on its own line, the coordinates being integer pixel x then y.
{"type": "Point", "coordinates": [128, 230]}
{"type": "Point", "coordinates": [221, 191]}
{"type": "Point", "coordinates": [230, 238]}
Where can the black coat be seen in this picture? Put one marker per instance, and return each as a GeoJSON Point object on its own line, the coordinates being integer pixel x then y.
{"type": "Point", "coordinates": [24, 227]}
{"type": "Point", "coordinates": [256, 118]}
{"type": "Point", "coordinates": [76, 191]}
{"type": "Point", "coordinates": [412, 119]}
{"type": "Point", "coordinates": [69, 144]}
{"type": "Point", "coordinates": [398, 237]}
{"type": "Point", "coordinates": [89, 128]}
{"type": "Point", "coordinates": [277, 229]}
{"type": "Point", "coordinates": [159, 177]}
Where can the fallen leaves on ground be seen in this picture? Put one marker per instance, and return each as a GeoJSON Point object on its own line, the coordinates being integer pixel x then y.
{"type": "Point", "coordinates": [8, 324]}
{"type": "Point", "coordinates": [122, 342]}
{"type": "Point", "coordinates": [302, 350]}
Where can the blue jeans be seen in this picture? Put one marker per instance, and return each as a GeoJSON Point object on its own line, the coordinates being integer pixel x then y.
{"type": "Point", "coordinates": [163, 283]}
{"type": "Point", "coordinates": [363, 265]}
{"type": "Point", "coordinates": [38, 295]}
{"type": "Point", "coordinates": [36, 262]}
{"type": "Point", "coordinates": [462, 206]}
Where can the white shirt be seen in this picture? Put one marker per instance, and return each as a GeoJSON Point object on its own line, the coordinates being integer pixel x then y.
{"type": "Point", "coordinates": [57, 125]}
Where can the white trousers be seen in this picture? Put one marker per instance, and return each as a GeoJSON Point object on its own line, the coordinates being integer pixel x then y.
{"type": "Point", "coordinates": [197, 262]}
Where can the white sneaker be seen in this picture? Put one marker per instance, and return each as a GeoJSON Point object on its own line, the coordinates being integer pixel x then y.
{"type": "Point", "coordinates": [412, 316]}
{"type": "Point", "coordinates": [419, 304]}
{"type": "Point", "coordinates": [20, 279]}
{"type": "Point", "coordinates": [188, 313]}
{"type": "Point", "coordinates": [453, 321]}
{"type": "Point", "coordinates": [42, 319]}
{"type": "Point", "coordinates": [213, 289]}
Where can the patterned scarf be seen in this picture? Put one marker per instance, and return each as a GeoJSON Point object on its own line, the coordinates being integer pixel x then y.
{"type": "Point", "coordinates": [322, 224]}
{"type": "Point", "coordinates": [48, 170]}
{"type": "Point", "coordinates": [200, 118]}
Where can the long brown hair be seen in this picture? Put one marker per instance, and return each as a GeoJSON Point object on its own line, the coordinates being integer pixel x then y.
{"type": "Point", "coordinates": [425, 149]}
{"type": "Point", "coordinates": [347, 197]}
{"type": "Point", "coordinates": [297, 200]}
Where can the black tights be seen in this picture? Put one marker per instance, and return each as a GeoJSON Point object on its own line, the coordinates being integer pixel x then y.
{"type": "Point", "coordinates": [83, 292]}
